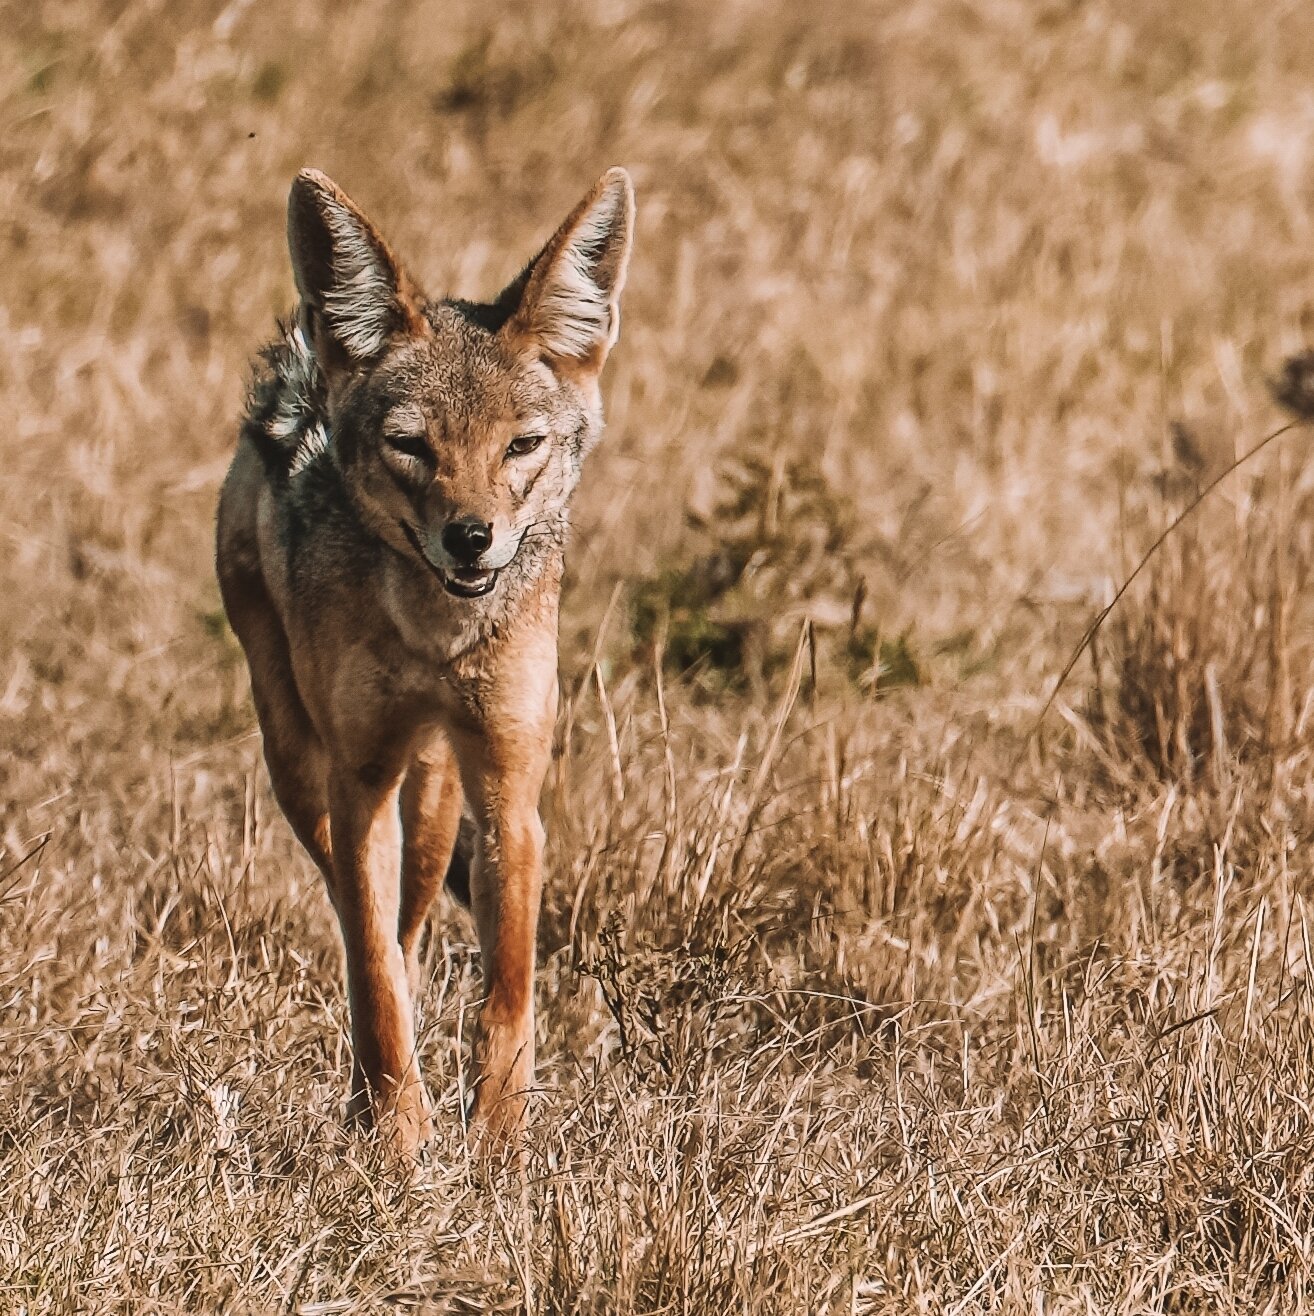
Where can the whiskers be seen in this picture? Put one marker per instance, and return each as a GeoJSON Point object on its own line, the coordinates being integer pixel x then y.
{"type": "Point", "coordinates": [543, 530]}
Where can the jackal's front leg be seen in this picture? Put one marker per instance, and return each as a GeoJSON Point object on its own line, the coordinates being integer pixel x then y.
{"type": "Point", "coordinates": [386, 1078]}
{"type": "Point", "coordinates": [506, 901]}
{"type": "Point", "coordinates": [503, 779]}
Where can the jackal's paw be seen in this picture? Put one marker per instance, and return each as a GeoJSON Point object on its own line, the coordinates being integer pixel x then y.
{"type": "Point", "coordinates": [504, 1075]}
{"type": "Point", "coordinates": [403, 1118]}
{"type": "Point", "coordinates": [407, 1126]}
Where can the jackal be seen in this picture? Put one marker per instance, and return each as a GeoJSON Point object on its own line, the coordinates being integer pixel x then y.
{"type": "Point", "coordinates": [390, 546]}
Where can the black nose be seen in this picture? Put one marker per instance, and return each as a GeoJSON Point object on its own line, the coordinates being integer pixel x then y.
{"type": "Point", "coordinates": [467, 539]}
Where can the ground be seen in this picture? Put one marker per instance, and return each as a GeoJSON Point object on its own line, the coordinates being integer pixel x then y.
{"type": "Point", "coordinates": [873, 980]}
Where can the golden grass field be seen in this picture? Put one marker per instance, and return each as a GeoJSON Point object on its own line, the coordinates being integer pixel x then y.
{"type": "Point", "coordinates": [863, 989]}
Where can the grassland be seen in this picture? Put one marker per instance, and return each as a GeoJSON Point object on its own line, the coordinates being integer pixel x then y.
{"type": "Point", "coordinates": [864, 988]}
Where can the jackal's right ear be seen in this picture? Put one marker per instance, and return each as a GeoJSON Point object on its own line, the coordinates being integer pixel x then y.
{"type": "Point", "coordinates": [354, 294]}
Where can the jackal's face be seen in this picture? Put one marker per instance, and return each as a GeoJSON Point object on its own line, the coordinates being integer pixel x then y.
{"type": "Point", "coordinates": [460, 429]}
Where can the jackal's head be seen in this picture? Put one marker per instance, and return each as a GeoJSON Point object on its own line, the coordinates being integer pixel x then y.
{"type": "Point", "coordinates": [460, 428]}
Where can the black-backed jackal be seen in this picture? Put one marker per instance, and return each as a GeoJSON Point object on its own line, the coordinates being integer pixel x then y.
{"type": "Point", "coordinates": [390, 545]}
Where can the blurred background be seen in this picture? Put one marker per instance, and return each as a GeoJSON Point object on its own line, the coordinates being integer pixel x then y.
{"type": "Point", "coordinates": [939, 313]}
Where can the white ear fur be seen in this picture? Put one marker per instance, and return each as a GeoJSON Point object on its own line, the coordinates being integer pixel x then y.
{"type": "Point", "coordinates": [342, 267]}
{"type": "Point", "coordinates": [571, 306]}
{"type": "Point", "coordinates": [359, 304]}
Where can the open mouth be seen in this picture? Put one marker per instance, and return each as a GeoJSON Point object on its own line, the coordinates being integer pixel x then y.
{"type": "Point", "coordinates": [468, 582]}
{"type": "Point", "coordinates": [462, 582]}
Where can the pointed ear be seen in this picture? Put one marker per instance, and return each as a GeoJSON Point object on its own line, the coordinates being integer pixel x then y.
{"type": "Point", "coordinates": [566, 304]}
{"type": "Point", "coordinates": [354, 295]}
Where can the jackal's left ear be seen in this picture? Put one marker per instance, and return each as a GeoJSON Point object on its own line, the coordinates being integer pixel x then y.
{"type": "Point", "coordinates": [353, 291]}
{"type": "Point", "coordinates": [567, 302]}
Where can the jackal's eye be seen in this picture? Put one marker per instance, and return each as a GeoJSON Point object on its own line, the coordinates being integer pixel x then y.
{"type": "Point", "coordinates": [523, 444]}
{"type": "Point", "coordinates": [410, 445]}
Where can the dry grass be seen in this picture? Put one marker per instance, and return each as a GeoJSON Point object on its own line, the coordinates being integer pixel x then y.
{"type": "Point", "coordinates": [854, 998]}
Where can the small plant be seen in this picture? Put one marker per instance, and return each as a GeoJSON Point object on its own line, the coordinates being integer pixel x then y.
{"type": "Point", "coordinates": [880, 663]}
{"type": "Point", "coordinates": [666, 1002]}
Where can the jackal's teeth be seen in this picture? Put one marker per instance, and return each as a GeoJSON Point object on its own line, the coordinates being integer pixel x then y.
{"type": "Point", "coordinates": [469, 582]}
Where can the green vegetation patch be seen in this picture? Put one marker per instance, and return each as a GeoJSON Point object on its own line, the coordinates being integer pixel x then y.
{"type": "Point", "coordinates": [780, 554]}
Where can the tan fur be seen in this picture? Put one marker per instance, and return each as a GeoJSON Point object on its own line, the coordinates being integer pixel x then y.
{"type": "Point", "coordinates": [388, 701]}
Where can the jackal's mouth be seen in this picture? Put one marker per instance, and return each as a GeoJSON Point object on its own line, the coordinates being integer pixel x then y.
{"type": "Point", "coordinates": [462, 582]}
{"type": "Point", "coordinates": [469, 582]}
